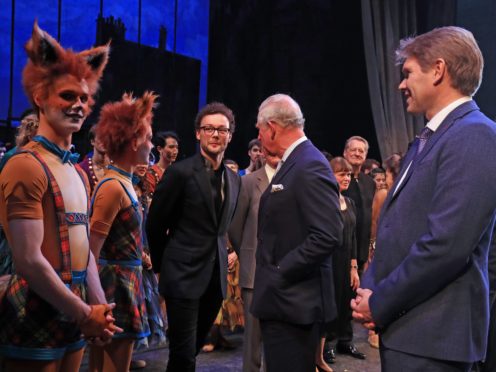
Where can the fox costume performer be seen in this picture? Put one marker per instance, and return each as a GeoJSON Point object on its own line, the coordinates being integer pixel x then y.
{"type": "Point", "coordinates": [125, 131]}
{"type": "Point", "coordinates": [54, 296]}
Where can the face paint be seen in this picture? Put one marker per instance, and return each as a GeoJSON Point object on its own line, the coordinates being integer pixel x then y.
{"type": "Point", "coordinates": [67, 105]}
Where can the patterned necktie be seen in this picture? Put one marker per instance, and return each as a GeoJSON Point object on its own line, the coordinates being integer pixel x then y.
{"type": "Point", "coordinates": [423, 137]}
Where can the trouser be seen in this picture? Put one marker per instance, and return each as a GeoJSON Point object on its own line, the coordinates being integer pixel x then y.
{"type": "Point", "coordinates": [252, 337]}
{"type": "Point", "coordinates": [189, 323]}
{"type": "Point", "coordinates": [289, 347]}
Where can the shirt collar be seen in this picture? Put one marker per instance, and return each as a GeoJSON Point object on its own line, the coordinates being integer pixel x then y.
{"type": "Point", "coordinates": [209, 167]}
{"type": "Point", "coordinates": [269, 171]}
{"type": "Point", "coordinates": [290, 149]}
{"type": "Point", "coordinates": [437, 119]}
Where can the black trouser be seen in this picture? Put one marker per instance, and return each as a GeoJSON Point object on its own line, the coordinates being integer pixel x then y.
{"type": "Point", "coordinates": [289, 347]}
{"type": "Point", "coordinates": [189, 322]}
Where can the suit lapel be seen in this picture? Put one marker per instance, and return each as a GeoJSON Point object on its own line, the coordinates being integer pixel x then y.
{"type": "Point", "coordinates": [229, 199]}
{"type": "Point", "coordinates": [411, 157]}
{"type": "Point", "coordinates": [289, 163]}
{"type": "Point", "coordinates": [262, 180]}
{"type": "Point", "coordinates": [408, 160]}
{"type": "Point", "coordinates": [278, 177]}
{"type": "Point", "coordinates": [201, 178]}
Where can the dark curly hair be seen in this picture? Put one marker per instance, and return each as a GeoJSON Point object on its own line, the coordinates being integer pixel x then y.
{"type": "Point", "coordinates": [215, 108]}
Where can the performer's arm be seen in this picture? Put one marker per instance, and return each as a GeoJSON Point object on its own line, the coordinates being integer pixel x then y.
{"type": "Point", "coordinates": [40, 275]}
{"type": "Point", "coordinates": [95, 291]}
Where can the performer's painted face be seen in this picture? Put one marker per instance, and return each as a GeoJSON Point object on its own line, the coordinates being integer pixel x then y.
{"type": "Point", "coordinates": [144, 146]}
{"type": "Point", "coordinates": [67, 105]}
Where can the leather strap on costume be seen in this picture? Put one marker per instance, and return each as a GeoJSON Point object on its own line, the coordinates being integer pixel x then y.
{"type": "Point", "coordinates": [65, 272]}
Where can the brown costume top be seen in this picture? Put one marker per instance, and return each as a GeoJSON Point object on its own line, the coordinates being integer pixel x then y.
{"type": "Point", "coordinates": [110, 199]}
{"type": "Point", "coordinates": [24, 194]}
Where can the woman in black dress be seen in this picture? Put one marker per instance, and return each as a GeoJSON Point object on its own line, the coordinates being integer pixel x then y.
{"type": "Point", "coordinates": [344, 266]}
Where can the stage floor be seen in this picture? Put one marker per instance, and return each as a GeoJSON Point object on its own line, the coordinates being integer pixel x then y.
{"type": "Point", "coordinates": [231, 360]}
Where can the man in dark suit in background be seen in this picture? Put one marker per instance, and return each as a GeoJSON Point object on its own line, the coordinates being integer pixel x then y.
{"type": "Point", "coordinates": [361, 191]}
{"type": "Point", "coordinates": [187, 225]}
{"type": "Point", "coordinates": [426, 289]}
{"type": "Point", "coordinates": [299, 226]}
{"type": "Point", "coordinates": [243, 237]}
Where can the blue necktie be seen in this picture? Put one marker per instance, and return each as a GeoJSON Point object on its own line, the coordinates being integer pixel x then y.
{"type": "Point", "coordinates": [423, 137]}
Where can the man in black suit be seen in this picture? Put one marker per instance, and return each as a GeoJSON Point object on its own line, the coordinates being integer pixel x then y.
{"type": "Point", "coordinates": [299, 226]}
{"type": "Point", "coordinates": [187, 224]}
{"type": "Point", "coordinates": [361, 190]}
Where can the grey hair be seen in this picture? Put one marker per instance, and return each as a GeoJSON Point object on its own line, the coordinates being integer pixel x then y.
{"type": "Point", "coordinates": [283, 109]}
{"type": "Point", "coordinates": [357, 138]}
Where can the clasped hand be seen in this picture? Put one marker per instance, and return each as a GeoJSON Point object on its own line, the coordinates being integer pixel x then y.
{"type": "Point", "coordinates": [98, 328]}
{"type": "Point", "coordinates": [361, 310]}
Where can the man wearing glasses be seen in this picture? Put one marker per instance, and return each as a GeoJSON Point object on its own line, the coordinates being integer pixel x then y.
{"type": "Point", "coordinates": [187, 223]}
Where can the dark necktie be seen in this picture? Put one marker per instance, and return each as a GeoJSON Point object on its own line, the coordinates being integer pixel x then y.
{"type": "Point", "coordinates": [423, 137]}
{"type": "Point", "coordinates": [216, 183]}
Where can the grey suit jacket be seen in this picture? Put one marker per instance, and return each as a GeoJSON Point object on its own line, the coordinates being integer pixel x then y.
{"type": "Point", "coordinates": [429, 275]}
{"type": "Point", "coordinates": [243, 230]}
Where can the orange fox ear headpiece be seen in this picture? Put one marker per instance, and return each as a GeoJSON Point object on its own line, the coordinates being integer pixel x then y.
{"type": "Point", "coordinates": [48, 61]}
{"type": "Point", "coordinates": [120, 122]}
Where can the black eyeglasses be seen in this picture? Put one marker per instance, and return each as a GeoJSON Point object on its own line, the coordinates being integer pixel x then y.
{"type": "Point", "coordinates": [223, 131]}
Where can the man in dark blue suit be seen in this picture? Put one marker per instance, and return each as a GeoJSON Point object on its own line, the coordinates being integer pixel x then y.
{"type": "Point", "coordinates": [426, 290]}
{"type": "Point", "coordinates": [299, 226]}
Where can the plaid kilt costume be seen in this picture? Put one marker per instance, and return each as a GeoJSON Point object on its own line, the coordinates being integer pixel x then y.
{"type": "Point", "coordinates": [120, 269]}
{"type": "Point", "coordinates": [31, 328]}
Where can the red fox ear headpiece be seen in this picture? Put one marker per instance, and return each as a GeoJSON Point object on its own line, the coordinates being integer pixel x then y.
{"type": "Point", "coordinates": [48, 61]}
{"type": "Point", "coordinates": [121, 122]}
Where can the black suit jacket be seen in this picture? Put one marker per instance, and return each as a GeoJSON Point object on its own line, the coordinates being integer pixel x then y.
{"type": "Point", "coordinates": [299, 226]}
{"type": "Point", "coordinates": [361, 191]}
{"type": "Point", "coordinates": [183, 231]}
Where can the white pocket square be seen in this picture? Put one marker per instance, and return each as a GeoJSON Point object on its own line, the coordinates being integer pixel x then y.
{"type": "Point", "coordinates": [276, 188]}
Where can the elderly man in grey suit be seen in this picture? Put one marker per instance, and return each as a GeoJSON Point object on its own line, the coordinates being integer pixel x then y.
{"type": "Point", "coordinates": [426, 289]}
{"type": "Point", "coordinates": [243, 236]}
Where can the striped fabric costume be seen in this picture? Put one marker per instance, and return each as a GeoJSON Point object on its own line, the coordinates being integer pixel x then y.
{"type": "Point", "coordinates": [31, 328]}
{"type": "Point", "coordinates": [120, 269]}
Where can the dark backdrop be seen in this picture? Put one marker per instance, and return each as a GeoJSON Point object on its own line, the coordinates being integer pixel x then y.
{"type": "Point", "coordinates": [313, 50]}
